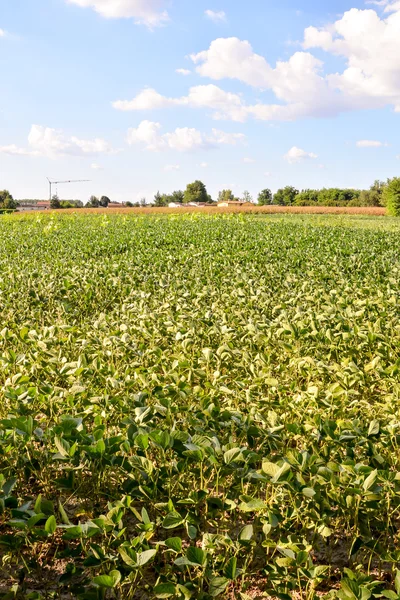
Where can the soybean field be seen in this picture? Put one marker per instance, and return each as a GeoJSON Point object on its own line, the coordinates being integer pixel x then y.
{"type": "Point", "coordinates": [198, 406]}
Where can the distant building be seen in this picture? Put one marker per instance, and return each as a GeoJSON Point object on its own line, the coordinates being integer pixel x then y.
{"type": "Point", "coordinates": [199, 204]}
{"type": "Point", "coordinates": [174, 205]}
{"type": "Point", "coordinates": [116, 204]}
{"type": "Point", "coordinates": [227, 203]}
{"type": "Point", "coordinates": [29, 205]}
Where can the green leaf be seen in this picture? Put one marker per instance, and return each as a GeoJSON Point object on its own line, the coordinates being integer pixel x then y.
{"type": "Point", "coordinates": [165, 590]}
{"type": "Point", "coordinates": [253, 505]}
{"type": "Point", "coordinates": [373, 428]}
{"type": "Point", "coordinates": [233, 455]}
{"type": "Point", "coordinates": [283, 470]}
{"type": "Point", "coordinates": [370, 480]}
{"type": "Point", "coordinates": [230, 568]}
{"type": "Point", "coordinates": [144, 557]}
{"type": "Point", "coordinates": [196, 556]}
{"type": "Point", "coordinates": [246, 533]}
{"type": "Point", "coordinates": [218, 586]}
{"type": "Point", "coordinates": [309, 492]}
{"type": "Point", "coordinates": [173, 520]}
{"type": "Point", "coordinates": [270, 468]}
{"type": "Point", "coordinates": [174, 543]}
{"type": "Point", "coordinates": [108, 581]}
{"type": "Point", "coordinates": [51, 525]}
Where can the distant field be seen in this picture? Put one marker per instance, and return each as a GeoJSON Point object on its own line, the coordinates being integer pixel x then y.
{"type": "Point", "coordinates": [378, 211]}
{"type": "Point", "coordinates": [199, 407]}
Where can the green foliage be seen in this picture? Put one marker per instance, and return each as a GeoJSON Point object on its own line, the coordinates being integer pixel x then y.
{"type": "Point", "coordinates": [55, 202]}
{"type": "Point", "coordinates": [391, 197]}
{"type": "Point", "coordinates": [196, 192]}
{"type": "Point", "coordinates": [218, 421]}
{"type": "Point", "coordinates": [104, 201]}
{"type": "Point", "coordinates": [264, 197]}
{"type": "Point", "coordinates": [225, 196]}
{"type": "Point", "coordinates": [285, 196]}
{"type": "Point", "coordinates": [93, 202]}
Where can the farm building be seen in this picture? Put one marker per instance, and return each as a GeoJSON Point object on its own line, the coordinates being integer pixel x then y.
{"type": "Point", "coordinates": [229, 203]}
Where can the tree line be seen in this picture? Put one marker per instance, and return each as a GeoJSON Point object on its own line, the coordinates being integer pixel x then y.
{"type": "Point", "coordinates": [381, 193]}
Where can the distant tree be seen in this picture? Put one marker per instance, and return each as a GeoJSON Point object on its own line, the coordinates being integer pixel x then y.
{"type": "Point", "coordinates": [177, 196]}
{"type": "Point", "coordinates": [247, 197]}
{"type": "Point", "coordinates": [160, 199]}
{"type": "Point", "coordinates": [129, 204]}
{"type": "Point", "coordinates": [196, 192]}
{"type": "Point", "coordinates": [285, 196]}
{"type": "Point", "coordinates": [391, 197]}
{"type": "Point", "coordinates": [93, 202]}
{"type": "Point", "coordinates": [265, 197]}
{"type": "Point", "coordinates": [225, 196]}
{"type": "Point", "coordinates": [337, 196]}
{"type": "Point", "coordinates": [104, 201]}
{"type": "Point", "coordinates": [143, 202]}
{"type": "Point", "coordinates": [307, 198]}
{"type": "Point", "coordinates": [55, 202]}
{"type": "Point", "coordinates": [7, 201]}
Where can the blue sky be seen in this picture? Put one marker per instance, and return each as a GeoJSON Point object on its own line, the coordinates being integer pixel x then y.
{"type": "Point", "coordinates": [273, 93]}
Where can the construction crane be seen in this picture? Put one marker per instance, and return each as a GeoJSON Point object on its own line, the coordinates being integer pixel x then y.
{"type": "Point", "coordinates": [51, 183]}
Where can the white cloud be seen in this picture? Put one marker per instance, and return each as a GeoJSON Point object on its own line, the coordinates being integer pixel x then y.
{"type": "Point", "coordinates": [370, 45]}
{"type": "Point", "coordinates": [14, 150]}
{"type": "Point", "coordinates": [184, 72]}
{"type": "Point", "coordinates": [303, 87]}
{"type": "Point", "coordinates": [268, 174]}
{"type": "Point", "coordinates": [204, 165]}
{"type": "Point", "coordinates": [370, 144]}
{"type": "Point", "coordinates": [45, 141]}
{"type": "Point", "coordinates": [218, 16]}
{"type": "Point", "coordinates": [2, 33]}
{"type": "Point", "coordinates": [96, 167]}
{"type": "Point", "coordinates": [296, 155]}
{"type": "Point", "coordinates": [147, 12]}
{"type": "Point", "coordinates": [168, 168]}
{"type": "Point", "coordinates": [147, 99]}
{"type": "Point", "coordinates": [183, 139]}
{"type": "Point", "coordinates": [248, 160]}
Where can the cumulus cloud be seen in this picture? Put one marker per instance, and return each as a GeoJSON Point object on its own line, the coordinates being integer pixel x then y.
{"type": "Point", "coordinates": [183, 139]}
{"type": "Point", "coordinates": [169, 168]}
{"type": "Point", "coordinates": [225, 104]}
{"type": "Point", "coordinates": [296, 155]}
{"type": "Point", "coordinates": [303, 87]}
{"type": "Point", "coordinates": [148, 12]}
{"type": "Point", "coordinates": [370, 144]}
{"type": "Point", "coordinates": [45, 141]}
{"type": "Point", "coordinates": [184, 72]}
{"type": "Point", "coordinates": [218, 16]}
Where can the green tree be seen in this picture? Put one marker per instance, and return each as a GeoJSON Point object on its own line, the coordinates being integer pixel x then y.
{"type": "Point", "coordinates": [285, 196]}
{"type": "Point", "coordinates": [264, 197]}
{"type": "Point", "coordinates": [225, 196]}
{"type": "Point", "coordinates": [247, 197]}
{"type": "Point", "coordinates": [104, 201]}
{"type": "Point", "coordinates": [177, 196]}
{"type": "Point", "coordinates": [160, 199]}
{"type": "Point", "coordinates": [391, 197]}
{"type": "Point", "coordinates": [93, 202]}
{"type": "Point", "coordinates": [55, 202]}
{"type": "Point", "coordinates": [143, 202]}
{"type": "Point", "coordinates": [196, 192]}
{"type": "Point", "coordinates": [6, 200]}
{"type": "Point", "coordinates": [307, 198]}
